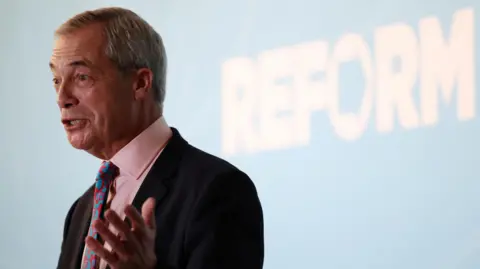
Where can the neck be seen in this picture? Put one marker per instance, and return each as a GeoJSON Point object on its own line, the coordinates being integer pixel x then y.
{"type": "Point", "coordinates": [141, 123]}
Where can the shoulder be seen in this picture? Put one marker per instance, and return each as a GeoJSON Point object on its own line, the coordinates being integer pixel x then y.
{"type": "Point", "coordinates": [83, 201]}
{"type": "Point", "coordinates": [78, 205]}
{"type": "Point", "coordinates": [202, 172]}
{"type": "Point", "coordinates": [192, 162]}
{"type": "Point", "coordinates": [207, 164]}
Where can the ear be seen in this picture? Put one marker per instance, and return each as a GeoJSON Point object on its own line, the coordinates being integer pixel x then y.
{"type": "Point", "coordinates": [142, 85]}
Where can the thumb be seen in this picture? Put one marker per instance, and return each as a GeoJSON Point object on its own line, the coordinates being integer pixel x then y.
{"type": "Point", "coordinates": [148, 212]}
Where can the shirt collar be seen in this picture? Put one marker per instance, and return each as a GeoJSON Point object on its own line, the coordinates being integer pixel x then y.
{"type": "Point", "coordinates": [137, 155]}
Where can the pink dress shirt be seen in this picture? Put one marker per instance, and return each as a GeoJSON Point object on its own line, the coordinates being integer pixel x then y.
{"type": "Point", "coordinates": [134, 162]}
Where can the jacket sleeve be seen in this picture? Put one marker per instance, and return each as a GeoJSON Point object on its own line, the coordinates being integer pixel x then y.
{"type": "Point", "coordinates": [226, 226]}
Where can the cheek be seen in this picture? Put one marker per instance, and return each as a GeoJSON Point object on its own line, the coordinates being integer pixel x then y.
{"type": "Point", "coordinates": [109, 109]}
{"type": "Point", "coordinates": [108, 116]}
{"type": "Point", "coordinates": [98, 115]}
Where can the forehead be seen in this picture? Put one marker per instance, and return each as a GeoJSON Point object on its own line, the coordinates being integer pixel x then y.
{"type": "Point", "coordinates": [83, 45]}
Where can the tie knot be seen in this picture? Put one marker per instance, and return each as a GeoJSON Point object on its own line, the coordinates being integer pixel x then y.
{"type": "Point", "coordinates": [108, 171]}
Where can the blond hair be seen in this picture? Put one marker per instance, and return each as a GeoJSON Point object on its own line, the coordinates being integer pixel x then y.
{"type": "Point", "coordinates": [131, 42]}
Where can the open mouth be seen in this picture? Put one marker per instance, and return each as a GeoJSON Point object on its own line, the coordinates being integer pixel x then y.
{"type": "Point", "coordinates": [73, 123]}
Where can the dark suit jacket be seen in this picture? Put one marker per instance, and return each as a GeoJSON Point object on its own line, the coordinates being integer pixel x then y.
{"type": "Point", "coordinates": [208, 213]}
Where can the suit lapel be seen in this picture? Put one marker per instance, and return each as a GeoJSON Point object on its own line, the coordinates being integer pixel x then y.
{"type": "Point", "coordinates": [156, 182]}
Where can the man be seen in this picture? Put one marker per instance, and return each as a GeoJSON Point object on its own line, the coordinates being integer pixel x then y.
{"type": "Point", "coordinates": [157, 201]}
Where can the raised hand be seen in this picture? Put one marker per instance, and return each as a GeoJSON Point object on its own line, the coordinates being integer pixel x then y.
{"type": "Point", "coordinates": [133, 248]}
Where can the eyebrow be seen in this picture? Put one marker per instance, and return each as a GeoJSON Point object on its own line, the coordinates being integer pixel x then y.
{"type": "Point", "coordinates": [85, 63]}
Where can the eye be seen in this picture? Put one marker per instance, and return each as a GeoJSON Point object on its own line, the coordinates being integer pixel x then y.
{"type": "Point", "coordinates": [83, 77]}
{"type": "Point", "coordinates": [83, 80]}
{"type": "Point", "coordinates": [56, 83]}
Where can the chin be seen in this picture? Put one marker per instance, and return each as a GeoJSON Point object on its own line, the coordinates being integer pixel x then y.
{"type": "Point", "coordinates": [81, 143]}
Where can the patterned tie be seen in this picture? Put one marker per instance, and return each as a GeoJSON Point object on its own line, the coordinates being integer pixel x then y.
{"type": "Point", "coordinates": [108, 171]}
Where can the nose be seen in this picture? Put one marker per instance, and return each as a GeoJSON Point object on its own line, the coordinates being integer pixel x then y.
{"type": "Point", "coordinates": [65, 97]}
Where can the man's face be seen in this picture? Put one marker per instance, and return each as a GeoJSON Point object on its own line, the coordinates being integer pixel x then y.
{"type": "Point", "coordinates": [96, 101]}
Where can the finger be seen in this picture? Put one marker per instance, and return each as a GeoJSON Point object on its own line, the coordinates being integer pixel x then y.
{"type": "Point", "coordinates": [123, 229]}
{"type": "Point", "coordinates": [148, 212]}
{"type": "Point", "coordinates": [99, 250]}
{"type": "Point", "coordinates": [113, 240]}
{"type": "Point", "coordinates": [136, 218]}
{"type": "Point", "coordinates": [116, 221]}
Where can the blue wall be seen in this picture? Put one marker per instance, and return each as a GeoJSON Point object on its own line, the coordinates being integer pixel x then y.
{"type": "Point", "coordinates": [392, 186]}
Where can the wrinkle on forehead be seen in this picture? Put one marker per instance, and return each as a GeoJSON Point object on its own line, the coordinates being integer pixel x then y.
{"type": "Point", "coordinates": [83, 45]}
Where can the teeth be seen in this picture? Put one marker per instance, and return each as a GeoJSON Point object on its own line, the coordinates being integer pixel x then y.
{"type": "Point", "coordinates": [73, 122]}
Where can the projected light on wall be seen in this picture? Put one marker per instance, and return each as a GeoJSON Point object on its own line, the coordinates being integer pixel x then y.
{"type": "Point", "coordinates": [259, 113]}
